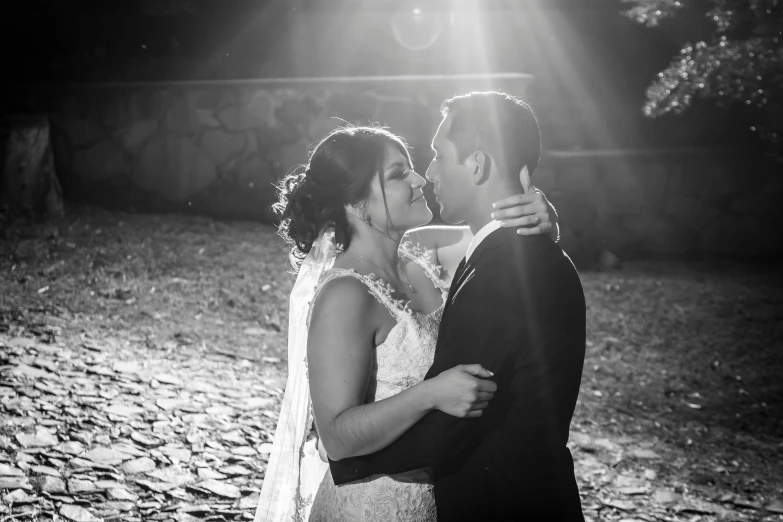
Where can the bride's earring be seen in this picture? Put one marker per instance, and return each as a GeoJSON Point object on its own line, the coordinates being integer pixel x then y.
{"type": "Point", "coordinates": [365, 218]}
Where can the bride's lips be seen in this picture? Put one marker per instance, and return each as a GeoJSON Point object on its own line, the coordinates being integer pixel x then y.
{"type": "Point", "coordinates": [418, 199]}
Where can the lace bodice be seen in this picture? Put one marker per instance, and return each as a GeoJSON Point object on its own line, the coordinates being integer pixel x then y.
{"type": "Point", "coordinates": [402, 361]}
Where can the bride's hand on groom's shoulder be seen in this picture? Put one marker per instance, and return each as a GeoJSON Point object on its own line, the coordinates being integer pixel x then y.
{"type": "Point", "coordinates": [530, 211]}
{"type": "Point", "coordinates": [462, 391]}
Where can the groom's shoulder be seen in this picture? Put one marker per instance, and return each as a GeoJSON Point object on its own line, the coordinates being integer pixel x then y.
{"type": "Point", "coordinates": [532, 249]}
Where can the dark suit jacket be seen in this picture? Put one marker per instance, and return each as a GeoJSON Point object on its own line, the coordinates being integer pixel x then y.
{"type": "Point", "coordinates": [521, 314]}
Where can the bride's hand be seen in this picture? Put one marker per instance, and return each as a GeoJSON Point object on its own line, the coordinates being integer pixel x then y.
{"type": "Point", "coordinates": [530, 211]}
{"type": "Point", "coordinates": [462, 391]}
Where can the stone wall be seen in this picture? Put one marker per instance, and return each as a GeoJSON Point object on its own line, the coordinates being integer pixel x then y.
{"type": "Point", "coordinates": [677, 202]}
{"type": "Point", "coordinates": [218, 148]}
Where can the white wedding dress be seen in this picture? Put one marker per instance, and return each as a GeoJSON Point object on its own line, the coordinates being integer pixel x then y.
{"type": "Point", "coordinates": [402, 361]}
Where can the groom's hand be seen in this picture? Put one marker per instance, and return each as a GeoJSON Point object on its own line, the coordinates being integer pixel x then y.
{"type": "Point", "coordinates": [462, 391]}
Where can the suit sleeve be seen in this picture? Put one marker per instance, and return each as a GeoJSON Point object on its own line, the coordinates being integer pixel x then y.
{"type": "Point", "coordinates": [439, 437]}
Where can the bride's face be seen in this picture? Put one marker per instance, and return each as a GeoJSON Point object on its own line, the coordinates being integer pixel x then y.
{"type": "Point", "coordinates": [404, 196]}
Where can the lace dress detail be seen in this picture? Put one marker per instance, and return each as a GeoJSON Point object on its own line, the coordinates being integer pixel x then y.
{"type": "Point", "coordinates": [403, 359]}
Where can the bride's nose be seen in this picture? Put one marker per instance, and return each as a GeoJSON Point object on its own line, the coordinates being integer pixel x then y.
{"type": "Point", "coordinates": [417, 181]}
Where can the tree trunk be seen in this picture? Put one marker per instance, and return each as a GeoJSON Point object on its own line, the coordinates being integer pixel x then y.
{"type": "Point", "coordinates": [28, 182]}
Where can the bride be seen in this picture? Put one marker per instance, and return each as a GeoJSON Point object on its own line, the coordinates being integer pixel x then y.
{"type": "Point", "coordinates": [363, 323]}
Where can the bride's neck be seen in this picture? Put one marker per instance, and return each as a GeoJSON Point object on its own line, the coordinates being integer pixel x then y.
{"type": "Point", "coordinates": [378, 248]}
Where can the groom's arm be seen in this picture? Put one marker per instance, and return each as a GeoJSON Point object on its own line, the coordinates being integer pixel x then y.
{"type": "Point", "coordinates": [484, 338]}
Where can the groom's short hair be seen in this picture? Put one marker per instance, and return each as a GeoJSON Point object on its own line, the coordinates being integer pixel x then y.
{"type": "Point", "coordinates": [501, 125]}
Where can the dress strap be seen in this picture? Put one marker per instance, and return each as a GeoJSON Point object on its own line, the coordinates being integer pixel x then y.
{"type": "Point", "coordinates": [377, 287]}
{"type": "Point", "coordinates": [423, 257]}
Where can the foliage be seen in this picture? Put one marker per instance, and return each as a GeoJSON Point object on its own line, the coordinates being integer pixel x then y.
{"type": "Point", "coordinates": [741, 64]}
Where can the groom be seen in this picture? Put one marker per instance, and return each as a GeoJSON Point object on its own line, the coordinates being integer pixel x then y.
{"type": "Point", "coordinates": [517, 308]}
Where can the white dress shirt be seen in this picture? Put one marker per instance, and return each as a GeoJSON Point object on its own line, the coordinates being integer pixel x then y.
{"type": "Point", "coordinates": [480, 236]}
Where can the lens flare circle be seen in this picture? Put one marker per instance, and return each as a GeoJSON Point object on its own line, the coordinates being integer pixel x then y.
{"type": "Point", "coordinates": [416, 29]}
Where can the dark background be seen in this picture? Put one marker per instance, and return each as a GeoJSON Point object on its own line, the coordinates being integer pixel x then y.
{"type": "Point", "coordinates": [591, 64]}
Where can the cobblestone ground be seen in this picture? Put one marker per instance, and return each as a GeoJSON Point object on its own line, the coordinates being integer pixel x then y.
{"type": "Point", "coordinates": [142, 363]}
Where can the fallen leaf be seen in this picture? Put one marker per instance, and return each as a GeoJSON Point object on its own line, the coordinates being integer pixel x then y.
{"type": "Point", "coordinates": [234, 470]}
{"type": "Point", "coordinates": [173, 475]}
{"type": "Point", "coordinates": [165, 378]}
{"type": "Point", "coordinates": [126, 367]}
{"type": "Point", "coordinates": [81, 486]}
{"type": "Point", "coordinates": [70, 447]}
{"type": "Point", "coordinates": [665, 496]}
{"type": "Point", "coordinates": [45, 470]}
{"type": "Point", "coordinates": [18, 496]}
{"type": "Point", "coordinates": [158, 487]}
{"type": "Point", "coordinates": [143, 439]}
{"type": "Point", "coordinates": [257, 331]}
{"type": "Point", "coordinates": [52, 485]}
{"type": "Point", "coordinates": [103, 455]}
{"type": "Point", "coordinates": [176, 453]}
{"type": "Point", "coordinates": [221, 488]}
{"type": "Point", "coordinates": [124, 410]}
{"type": "Point", "coordinates": [15, 483]}
{"type": "Point", "coordinates": [118, 505]}
{"type": "Point", "coordinates": [750, 504]}
{"type": "Point", "coordinates": [624, 481]}
{"type": "Point", "coordinates": [10, 471]}
{"type": "Point", "coordinates": [42, 438]}
{"type": "Point", "coordinates": [623, 505]}
{"type": "Point", "coordinates": [776, 506]}
{"type": "Point", "coordinates": [209, 474]}
{"type": "Point", "coordinates": [643, 453]}
{"type": "Point", "coordinates": [140, 465]}
{"type": "Point", "coordinates": [121, 494]}
{"type": "Point", "coordinates": [77, 513]}
{"type": "Point", "coordinates": [250, 501]}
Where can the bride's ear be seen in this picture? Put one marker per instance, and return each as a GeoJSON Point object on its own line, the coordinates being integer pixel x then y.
{"type": "Point", "coordinates": [355, 214]}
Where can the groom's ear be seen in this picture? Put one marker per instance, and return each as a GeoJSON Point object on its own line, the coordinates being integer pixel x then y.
{"type": "Point", "coordinates": [480, 164]}
{"type": "Point", "coordinates": [524, 179]}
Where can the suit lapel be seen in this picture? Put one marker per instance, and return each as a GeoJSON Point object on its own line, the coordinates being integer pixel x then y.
{"type": "Point", "coordinates": [455, 282]}
{"type": "Point", "coordinates": [468, 270]}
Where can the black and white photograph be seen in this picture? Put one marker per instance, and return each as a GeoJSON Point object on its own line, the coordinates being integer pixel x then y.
{"type": "Point", "coordinates": [391, 260]}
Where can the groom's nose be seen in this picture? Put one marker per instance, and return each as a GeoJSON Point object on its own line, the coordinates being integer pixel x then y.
{"type": "Point", "coordinates": [429, 173]}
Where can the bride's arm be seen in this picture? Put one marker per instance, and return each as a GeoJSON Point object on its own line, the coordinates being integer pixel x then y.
{"type": "Point", "coordinates": [340, 355]}
{"type": "Point", "coordinates": [450, 243]}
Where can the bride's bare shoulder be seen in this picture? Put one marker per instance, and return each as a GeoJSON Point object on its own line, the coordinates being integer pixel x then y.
{"type": "Point", "coordinates": [342, 297]}
{"type": "Point", "coordinates": [434, 237]}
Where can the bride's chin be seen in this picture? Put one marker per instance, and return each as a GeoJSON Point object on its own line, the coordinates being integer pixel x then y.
{"type": "Point", "coordinates": [426, 217]}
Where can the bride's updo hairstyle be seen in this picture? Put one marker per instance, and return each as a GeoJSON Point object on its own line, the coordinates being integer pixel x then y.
{"type": "Point", "coordinates": [339, 172]}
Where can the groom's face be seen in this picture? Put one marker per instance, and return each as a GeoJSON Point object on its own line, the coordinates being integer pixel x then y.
{"type": "Point", "coordinates": [451, 179]}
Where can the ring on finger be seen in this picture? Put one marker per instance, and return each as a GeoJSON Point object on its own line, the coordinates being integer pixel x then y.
{"type": "Point", "coordinates": [536, 219]}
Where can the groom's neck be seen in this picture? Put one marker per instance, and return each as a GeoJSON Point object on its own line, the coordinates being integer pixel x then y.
{"type": "Point", "coordinates": [480, 216]}
{"type": "Point", "coordinates": [480, 213]}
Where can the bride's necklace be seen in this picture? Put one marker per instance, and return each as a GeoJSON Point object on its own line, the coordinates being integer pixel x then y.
{"type": "Point", "coordinates": [404, 281]}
